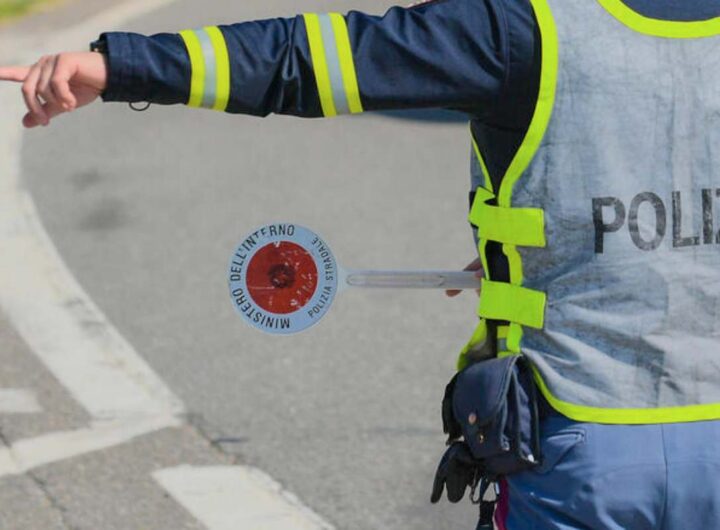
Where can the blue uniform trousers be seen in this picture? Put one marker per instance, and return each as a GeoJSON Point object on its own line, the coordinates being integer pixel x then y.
{"type": "Point", "coordinates": [619, 477]}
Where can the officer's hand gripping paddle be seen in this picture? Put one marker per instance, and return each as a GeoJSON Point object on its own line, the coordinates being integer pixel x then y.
{"type": "Point", "coordinates": [283, 278]}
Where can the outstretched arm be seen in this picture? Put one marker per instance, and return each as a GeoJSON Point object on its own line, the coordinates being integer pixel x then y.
{"type": "Point", "coordinates": [442, 54]}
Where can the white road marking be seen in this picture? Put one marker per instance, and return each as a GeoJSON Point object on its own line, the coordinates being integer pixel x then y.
{"type": "Point", "coordinates": [49, 308]}
{"type": "Point", "coordinates": [18, 401]}
{"type": "Point", "coordinates": [57, 319]}
{"type": "Point", "coordinates": [30, 453]}
{"type": "Point", "coordinates": [237, 498]}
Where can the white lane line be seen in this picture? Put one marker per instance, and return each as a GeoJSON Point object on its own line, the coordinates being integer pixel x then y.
{"type": "Point", "coordinates": [18, 401]}
{"type": "Point", "coordinates": [53, 314]}
{"type": "Point", "coordinates": [237, 498]}
{"type": "Point", "coordinates": [30, 453]}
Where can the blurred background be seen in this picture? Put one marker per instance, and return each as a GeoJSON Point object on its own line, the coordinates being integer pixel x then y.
{"type": "Point", "coordinates": [145, 209]}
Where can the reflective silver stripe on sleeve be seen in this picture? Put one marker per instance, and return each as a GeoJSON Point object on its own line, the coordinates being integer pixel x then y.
{"type": "Point", "coordinates": [210, 93]}
{"type": "Point", "coordinates": [333, 65]}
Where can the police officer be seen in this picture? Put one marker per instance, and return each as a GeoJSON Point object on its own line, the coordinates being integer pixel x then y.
{"type": "Point", "coordinates": [596, 176]}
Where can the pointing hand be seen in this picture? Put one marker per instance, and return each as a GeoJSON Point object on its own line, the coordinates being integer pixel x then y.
{"type": "Point", "coordinates": [58, 83]}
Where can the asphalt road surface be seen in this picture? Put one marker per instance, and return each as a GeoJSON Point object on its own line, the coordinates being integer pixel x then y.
{"type": "Point", "coordinates": [146, 208]}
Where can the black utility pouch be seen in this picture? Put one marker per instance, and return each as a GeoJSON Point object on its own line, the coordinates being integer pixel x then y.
{"type": "Point", "coordinates": [493, 405]}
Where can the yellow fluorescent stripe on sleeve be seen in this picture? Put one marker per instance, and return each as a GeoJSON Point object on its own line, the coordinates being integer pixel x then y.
{"type": "Point", "coordinates": [197, 66]}
{"type": "Point", "coordinates": [222, 66]}
{"type": "Point", "coordinates": [319, 61]}
{"type": "Point", "coordinates": [347, 63]}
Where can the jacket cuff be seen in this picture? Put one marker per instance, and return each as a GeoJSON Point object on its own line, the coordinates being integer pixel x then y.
{"type": "Point", "coordinates": [141, 68]}
{"type": "Point", "coordinates": [118, 56]}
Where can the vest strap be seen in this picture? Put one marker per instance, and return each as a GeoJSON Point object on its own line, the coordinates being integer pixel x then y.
{"type": "Point", "coordinates": [504, 301]}
{"type": "Point", "coordinates": [524, 227]}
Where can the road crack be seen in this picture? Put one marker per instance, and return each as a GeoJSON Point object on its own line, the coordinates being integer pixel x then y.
{"type": "Point", "coordinates": [202, 428]}
{"type": "Point", "coordinates": [53, 502]}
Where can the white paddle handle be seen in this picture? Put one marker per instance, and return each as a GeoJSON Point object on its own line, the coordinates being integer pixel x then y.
{"type": "Point", "coordinates": [413, 279]}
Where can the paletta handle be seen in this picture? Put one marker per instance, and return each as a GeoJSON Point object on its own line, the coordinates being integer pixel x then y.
{"type": "Point", "coordinates": [459, 280]}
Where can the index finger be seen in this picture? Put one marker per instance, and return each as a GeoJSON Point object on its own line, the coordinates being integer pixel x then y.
{"type": "Point", "coordinates": [14, 73]}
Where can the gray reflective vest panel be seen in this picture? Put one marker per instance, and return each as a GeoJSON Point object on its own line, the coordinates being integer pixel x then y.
{"type": "Point", "coordinates": [628, 174]}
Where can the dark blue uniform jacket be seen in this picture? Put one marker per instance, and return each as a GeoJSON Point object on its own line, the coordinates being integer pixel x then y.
{"type": "Point", "coordinates": [480, 57]}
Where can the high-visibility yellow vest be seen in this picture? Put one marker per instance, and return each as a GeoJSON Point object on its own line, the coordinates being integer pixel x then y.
{"type": "Point", "coordinates": [609, 216]}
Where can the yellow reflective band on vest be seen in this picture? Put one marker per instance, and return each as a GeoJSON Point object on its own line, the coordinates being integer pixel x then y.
{"type": "Point", "coordinates": [481, 161]}
{"type": "Point", "coordinates": [505, 301]}
{"type": "Point", "coordinates": [577, 386]}
{"type": "Point", "coordinates": [556, 368]}
{"type": "Point", "coordinates": [545, 103]}
{"type": "Point", "coordinates": [629, 416]}
{"type": "Point", "coordinates": [210, 79]}
{"type": "Point", "coordinates": [482, 195]}
{"type": "Point", "coordinates": [661, 28]}
{"type": "Point", "coordinates": [479, 336]}
{"type": "Point", "coordinates": [333, 64]}
{"type": "Point", "coordinates": [515, 334]}
{"type": "Point", "coordinates": [516, 226]}
{"type": "Point", "coordinates": [511, 301]}
{"type": "Point", "coordinates": [502, 336]}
